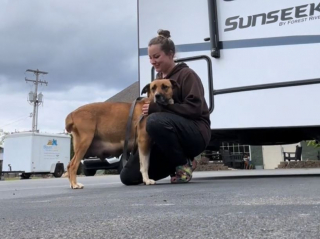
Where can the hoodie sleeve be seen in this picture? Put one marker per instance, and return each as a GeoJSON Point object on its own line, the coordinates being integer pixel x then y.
{"type": "Point", "coordinates": [192, 99]}
{"type": "Point", "coordinates": [154, 107]}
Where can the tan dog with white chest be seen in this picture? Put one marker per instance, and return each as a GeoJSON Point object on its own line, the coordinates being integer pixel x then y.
{"type": "Point", "coordinates": [99, 129]}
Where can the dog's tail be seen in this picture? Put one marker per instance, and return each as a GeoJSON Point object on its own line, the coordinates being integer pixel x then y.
{"type": "Point", "coordinates": [69, 123]}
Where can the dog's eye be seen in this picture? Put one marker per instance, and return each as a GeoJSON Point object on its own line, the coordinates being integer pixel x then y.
{"type": "Point", "coordinates": [165, 87]}
{"type": "Point", "coordinates": [154, 88]}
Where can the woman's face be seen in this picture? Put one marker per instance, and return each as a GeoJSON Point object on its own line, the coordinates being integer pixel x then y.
{"type": "Point", "coordinates": [159, 59]}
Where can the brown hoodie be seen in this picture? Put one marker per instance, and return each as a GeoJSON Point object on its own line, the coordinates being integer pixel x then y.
{"type": "Point", "coordinates": [188, 97]}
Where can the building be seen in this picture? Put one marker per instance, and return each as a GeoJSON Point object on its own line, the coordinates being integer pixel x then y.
{"type": "Point", "coordinates": [269, 157]}
{"type": "Point", "coordinates": [129, 94]}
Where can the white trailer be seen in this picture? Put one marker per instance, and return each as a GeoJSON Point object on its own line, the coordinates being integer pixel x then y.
{"type": "Point", "coordinates": [258, 61]}
{"type": "Point", "coordinates": [36, 153]}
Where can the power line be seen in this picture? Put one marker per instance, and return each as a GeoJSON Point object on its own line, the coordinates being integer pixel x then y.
{"type": "Point", "coordinates": [15, 121]}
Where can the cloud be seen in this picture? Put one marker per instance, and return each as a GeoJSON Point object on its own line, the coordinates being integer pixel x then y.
{"type": "Point", "coordinates": [89, 49]}
{"type": "Point", "coordinates": [77, 42]}
{"type": "Point", "coordinates": [51, 115]}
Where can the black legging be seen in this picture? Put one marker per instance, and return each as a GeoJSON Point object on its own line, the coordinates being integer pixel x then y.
{"type": "Point", "coordinates": [175, 139]}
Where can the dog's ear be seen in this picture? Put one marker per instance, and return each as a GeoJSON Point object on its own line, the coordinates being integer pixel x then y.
{"type": "Point", "coordinates": [174, 84]}
{"type": "Point", "coordinates": [146, 89]}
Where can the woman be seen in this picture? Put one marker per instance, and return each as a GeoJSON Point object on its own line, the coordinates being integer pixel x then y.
{"type": "Point", "coordinates": [180, 131]}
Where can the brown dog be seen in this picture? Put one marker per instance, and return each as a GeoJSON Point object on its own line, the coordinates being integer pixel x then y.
{"type": "Point", "coordinates": [99, 129]}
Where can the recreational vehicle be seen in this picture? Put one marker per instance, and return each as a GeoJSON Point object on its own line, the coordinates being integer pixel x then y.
{"type": "Point", "coordinates": [258, 61]}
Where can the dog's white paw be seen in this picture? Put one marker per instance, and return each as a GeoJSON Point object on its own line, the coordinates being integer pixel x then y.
{"type": "Point", "coordinates": [150, 182]}
{"type": "Point", "coordinates": [77, 186]}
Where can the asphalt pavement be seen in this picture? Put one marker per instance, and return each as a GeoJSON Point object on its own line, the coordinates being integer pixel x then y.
{"type": "Point", "coordinates": [233, 204]}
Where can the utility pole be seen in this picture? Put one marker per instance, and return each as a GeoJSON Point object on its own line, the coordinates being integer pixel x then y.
{"type": "Point", "coordinates": [35, 98]}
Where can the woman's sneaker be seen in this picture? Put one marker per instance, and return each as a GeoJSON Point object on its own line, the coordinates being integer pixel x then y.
{"type": "Point", "coordinates": [183, 174]}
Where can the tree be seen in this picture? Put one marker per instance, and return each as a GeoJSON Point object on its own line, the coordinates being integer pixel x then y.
{"type": "Point", "coordinates": [314, 143]}
{"type": "Point", "coordinates": [2, 135]}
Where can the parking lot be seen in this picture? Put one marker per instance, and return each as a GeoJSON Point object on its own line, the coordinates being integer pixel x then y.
{"type": "Point", "coordinates": [233, 204]}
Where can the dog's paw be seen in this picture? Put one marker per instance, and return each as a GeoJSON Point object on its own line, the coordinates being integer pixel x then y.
{"type": "Point", "coordinates": [77, 186]}
{"type": "Point", "coordinates": [150, 182]}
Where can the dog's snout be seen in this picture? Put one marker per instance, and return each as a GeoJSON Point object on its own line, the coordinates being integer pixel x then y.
{"type": "Point", "coordinates": [157, 96]}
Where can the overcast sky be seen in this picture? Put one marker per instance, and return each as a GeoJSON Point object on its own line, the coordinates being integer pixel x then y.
{"type": "Point", "coordinates": [89, 49]}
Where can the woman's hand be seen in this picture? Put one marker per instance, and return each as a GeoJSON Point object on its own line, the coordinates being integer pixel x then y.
{"type": "Point", "coordinates": [145, 109]}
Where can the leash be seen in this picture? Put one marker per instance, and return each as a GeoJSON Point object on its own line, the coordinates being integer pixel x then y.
{"type": "Point", "coordinates": [126, 155]}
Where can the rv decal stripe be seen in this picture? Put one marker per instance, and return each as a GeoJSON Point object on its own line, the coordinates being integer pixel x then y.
{"type": "Point", "coordinates": [274, 41]}
{"type": "Point", "coordinates": [183, 48]}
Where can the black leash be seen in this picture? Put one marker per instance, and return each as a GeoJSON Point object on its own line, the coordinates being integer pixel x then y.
{"type": "Point", "coordinates": [126, 155]}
